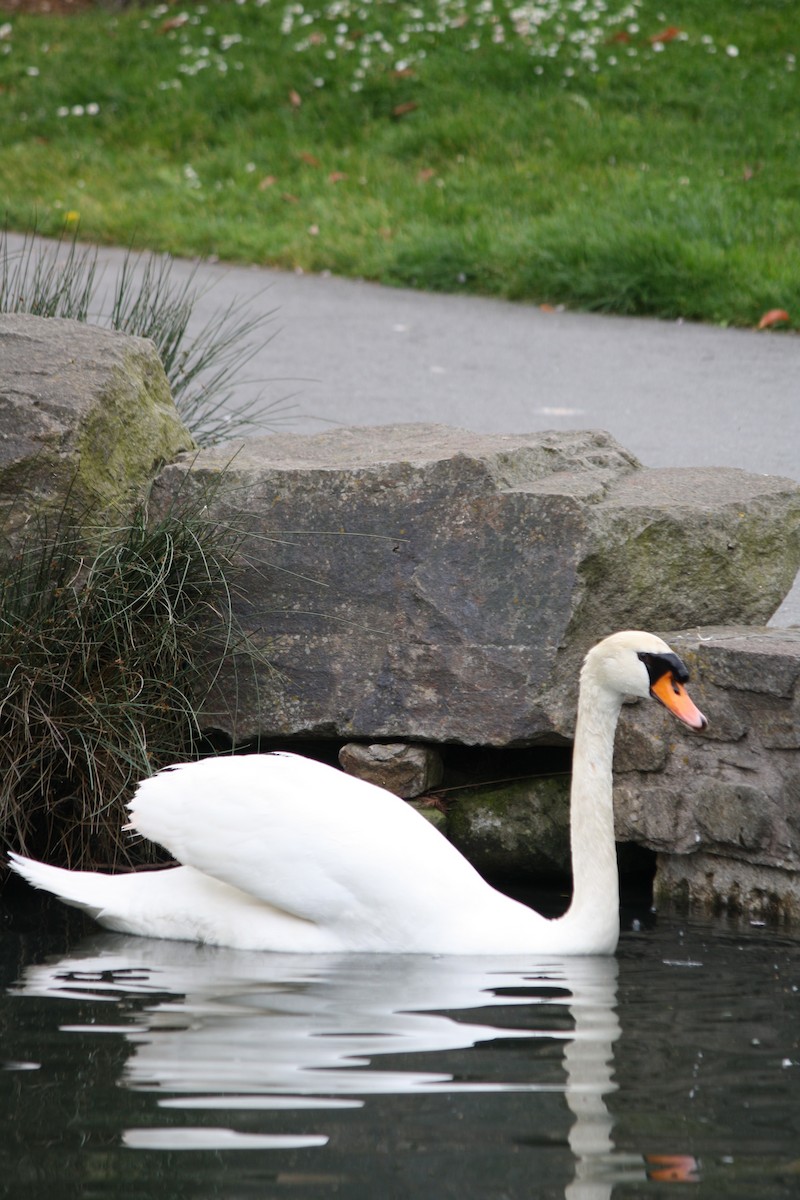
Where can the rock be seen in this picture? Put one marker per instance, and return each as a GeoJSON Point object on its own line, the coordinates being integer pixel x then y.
{"type": "Point", "coordinates": [400, 768]}
{"type": "Point", "coordinates": [84, 412]}
{"type": "Point", "coordinates": [429, 585]}
{"type": "Point", "coordinates": [518, 828]}
{"type": "Point", "coordinates": [719, 885]}
{"type": "Point", "coordinates": [723, 811]}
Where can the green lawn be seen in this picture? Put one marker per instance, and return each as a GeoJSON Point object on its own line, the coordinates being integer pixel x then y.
{"type": "Point", "coordinates": [630, 157]}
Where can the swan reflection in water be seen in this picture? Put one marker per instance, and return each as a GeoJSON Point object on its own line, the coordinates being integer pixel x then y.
{"type": "Point", "coordinates": [231, 1030]}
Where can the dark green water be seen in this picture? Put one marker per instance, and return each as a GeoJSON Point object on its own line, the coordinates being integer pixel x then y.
{"type": "Point", "coordinates": [159, 1070]}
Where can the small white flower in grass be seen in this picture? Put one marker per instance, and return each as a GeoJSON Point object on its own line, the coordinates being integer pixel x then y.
{"type": "Point", "coordinates": [32, 71]}
{"type": "Point", "coordinates": [63, 111]}
{"type": "Point", "coordinates": [250, 167]}
{"type": "Point", "coordinates": [658, 47]}
{"type": "Point", "coordinates": [77, 110]}
{"type": "Point", "coordinates": [92, 109]}
{"type": "Point", "coordinates": [6, 29]}
{"type": "Point", "coordinates": [319, 82]}
{"type": "Point", "coordinates": [732, 51]}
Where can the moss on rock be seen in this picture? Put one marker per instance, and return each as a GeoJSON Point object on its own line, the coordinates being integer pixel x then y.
{"type": "Point", "coordinates": [517, 828]}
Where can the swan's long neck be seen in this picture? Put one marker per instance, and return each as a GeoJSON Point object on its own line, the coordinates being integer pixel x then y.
{"type": "Point", "coordinates": [594, 911]}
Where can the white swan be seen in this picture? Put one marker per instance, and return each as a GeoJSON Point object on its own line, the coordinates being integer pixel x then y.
{"type": "Point", "coordinates": [282, 853]}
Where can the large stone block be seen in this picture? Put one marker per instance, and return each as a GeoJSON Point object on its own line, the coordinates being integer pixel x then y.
{"type": "Point", "coordinates": [84, 412]}
{"type": "Point", "coordinates": [426, 584]}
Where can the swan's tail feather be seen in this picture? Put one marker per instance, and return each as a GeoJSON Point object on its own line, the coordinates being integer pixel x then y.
{"type": "Point", "coordinates": [82, 889]}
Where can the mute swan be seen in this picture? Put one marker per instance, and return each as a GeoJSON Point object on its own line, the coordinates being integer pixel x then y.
{"type": "Point", "coordinates": [283, 853]}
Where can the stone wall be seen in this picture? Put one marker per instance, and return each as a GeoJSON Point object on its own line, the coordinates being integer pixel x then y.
{"type": "Point", "coordinates": [722, 808]}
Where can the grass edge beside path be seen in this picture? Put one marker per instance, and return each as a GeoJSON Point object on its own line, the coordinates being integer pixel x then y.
{"type": "Point", "coordinates": [632, 158]}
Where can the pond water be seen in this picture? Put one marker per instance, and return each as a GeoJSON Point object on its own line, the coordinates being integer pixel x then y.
{"type": "Point", "coordinates": [152, 1069]}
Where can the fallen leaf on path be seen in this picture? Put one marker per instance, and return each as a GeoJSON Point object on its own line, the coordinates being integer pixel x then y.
{"type": "Point", "coordinates": [775, 316]}
{"type": "Point", "coordinates": [400, 110]}
{"type": "Point", "coordinates": [547, 308]}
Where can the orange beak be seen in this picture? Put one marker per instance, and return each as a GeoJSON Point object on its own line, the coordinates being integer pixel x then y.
{"type": "Point", "coordinates": [673, 695]}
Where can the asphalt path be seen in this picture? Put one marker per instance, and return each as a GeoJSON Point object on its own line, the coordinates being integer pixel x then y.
{"type": "Point", "coordinates": [345, 352]}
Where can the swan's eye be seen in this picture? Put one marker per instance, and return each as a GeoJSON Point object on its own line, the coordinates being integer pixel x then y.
{"type": "Point", "coordinates": [659, 665]}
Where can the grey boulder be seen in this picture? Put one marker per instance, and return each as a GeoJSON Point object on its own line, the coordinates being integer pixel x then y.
{"type": "Point", "coordinates": [421, 583]}
{"type": "Point", "coordinates": [86, 414]}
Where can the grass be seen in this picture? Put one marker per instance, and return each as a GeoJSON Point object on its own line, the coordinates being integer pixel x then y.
{"type": "Point", "coordinates": [62, 280]}
{"type": "Point", "coordinates": [631, 157]}
{"type": "Point", "coordinates": [109, 645]}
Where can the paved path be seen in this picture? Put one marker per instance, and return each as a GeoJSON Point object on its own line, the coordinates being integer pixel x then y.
{"type": "Point", "coordinates": [675, 394]}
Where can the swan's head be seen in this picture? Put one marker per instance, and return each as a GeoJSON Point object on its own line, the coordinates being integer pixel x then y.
{"type": "Point", "coordinates": [635, 663]}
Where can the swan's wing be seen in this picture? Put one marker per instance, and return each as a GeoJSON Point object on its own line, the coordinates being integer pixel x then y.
{"type": "Point", "coordinates": [309, 840]}
{"type": "Point", "coordinates": [177, 903]}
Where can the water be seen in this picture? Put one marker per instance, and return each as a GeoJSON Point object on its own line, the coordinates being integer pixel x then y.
{"type": "Point", "coordinates": [153, 1069]}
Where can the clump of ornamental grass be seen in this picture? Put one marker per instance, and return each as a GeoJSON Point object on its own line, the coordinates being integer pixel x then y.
{"type": "Point", "coordinates": [109, 641]}
{"type": "Point", "coordinates": [61, 279]}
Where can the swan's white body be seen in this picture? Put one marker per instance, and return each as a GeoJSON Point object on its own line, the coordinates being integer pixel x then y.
{"type": "Point", "coordinates": [283, 853]}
